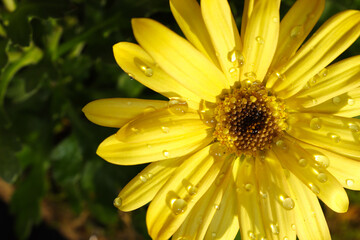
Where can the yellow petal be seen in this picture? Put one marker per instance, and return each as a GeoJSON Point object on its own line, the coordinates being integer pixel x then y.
{"type": "Point", "coordinates": [344, 105]}
{"type": "Point", "coordinates": [276, 202]}
{"type": "Point", "coordinates": [181, 192]}
{"type": "Point", "coordinates": [260, 39]}
{"type": "Point", "coordinates": [250, 218]}
{"type": "Point", "coordinates": [311, 170]}
{"type": "Point", "coordinates": [334, 37]}
{"type": "Point", "coordinates": [188, 16]}
{"type": "Point", "coordinates": [337, 79]}
{"type": "Point", "coordinates": [344, 169]}
{"type": "Point", "coordinates": [295, 26]}
{"type": "Point", "coordinates": [197, 222]}
{"type": "Point", "coordinates": [138, 64]}
{"type": "Point", "coordinates": [336, 134]}
{"type": "Point", "coordinates": [248, 8]}
{"type": "Point", "coordinates": [180, 59]}
{"type": "Point", "coordinates": [156, 136]}
{"type": "Point", "coordinates": [142, 189]}
{"type": "Point", "coordinates": [224, 35]}
{"type": "Point", "coordinates": [225, 224]}
{"type": "Point", "coordinates": [115, 112]}
{"type": "Point", "coordinates": [310, 222]}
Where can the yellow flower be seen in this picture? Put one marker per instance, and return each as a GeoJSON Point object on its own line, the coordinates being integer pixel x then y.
{"type": "Point", "coordinates": [257, 126]}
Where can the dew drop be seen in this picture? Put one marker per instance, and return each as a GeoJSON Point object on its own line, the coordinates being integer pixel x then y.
{"type": "Point", "coordinates": [252, 235]}
{"type": "Point", "coordinates": [166, 153]}
{"type": "Point", "coordinates": [234, 55]}
{"type": "Point", "coordinates": [250, 75]}
{"type": "Point", "coordinates": [177, 106]}
{"type": "Point", "coordinates": [217, 206]}
{"type": "Point", "coordinates": [315, 189]}
{"type": "Point", "coordinates": [165, 129]}
{"type": "Point", "coordinates": [260, 40]}
{"type": "Point", "coordinates": [213, 234]}
{"type": "Point", "coordinates": [302, 162]}
{"type": "Point", "coordinates": [149, 109]}
{"type": "Point", "coordinates": [280, 76]}
{"type": "Point", "coordinates": [117, 202]}
{"type": "Point", "coordinates": [281, 144]}
{"type": "Point", "coordinates": [293, 227]}
{"type": "Point", "coordinates": [353, 127]}
{"type": "Point", "coordinates": [336, 100]}
{"type": "Point", "coordinates": [232, 70]}
{"type": "Point", "coordinates": [288, 203]}
{"type": "Point", "coordinates": [147, 71]}
{"type": "Point", "coordinates": [286, 238]}
{"type": "Point", "coordinates": [143, 178]}
{"type": "Point", "coordinates": [274, 229]}
{"type": "Point", "coordinates": [297, 31]}
{"type": "Point", "coordinates": [322, 177]}
{"type": "Point", "coordinates": [132, 77]}
{"type": "Point", "coordinates": [178, 205]}
{"type": "Point", "coordinates": [351, 101]}
{"type": "Point", "coordinates": [322, 160]}
{"type": "Point", "coordinates": [275, 19]}
{"type": "Point", "coordinates": [315, 123]}
{"type": "Point", "coordinates": [263, 194]}
{"type": "Point", "coordinates": [350, 182]}
{"type": "Point", "coordinates": [334, 137]}
{"type": "Point", "coordinates": [192, 190]}
{"type": "Point", "coordinates": [248, 187]}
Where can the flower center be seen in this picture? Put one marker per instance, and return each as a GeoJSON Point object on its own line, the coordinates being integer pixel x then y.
{"type": "Point", "coordinates": [248, 119]}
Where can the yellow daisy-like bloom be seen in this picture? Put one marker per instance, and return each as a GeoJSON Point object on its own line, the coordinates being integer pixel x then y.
{"type": "Point", "coordinates": [257, 126]}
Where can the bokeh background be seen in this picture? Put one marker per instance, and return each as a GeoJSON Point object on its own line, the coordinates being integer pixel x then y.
{"type": "Point", "coordinates": [56, 56]}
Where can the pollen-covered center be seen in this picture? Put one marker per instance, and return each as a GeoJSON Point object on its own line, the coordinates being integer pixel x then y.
{"type": "Point", "coordinates": [248, 119]}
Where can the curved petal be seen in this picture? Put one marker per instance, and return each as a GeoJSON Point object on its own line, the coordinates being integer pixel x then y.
{"type": "Point", "coordinates": [115, 112]}
{"type": "Point", "coordinates": [344, 169]}
{"type": "Point", "coordinates": [224, 35]}
{"type": "Point", "coordinates": [248, 198]}
{"type": "Point", "coordinates": [336, 134]}
{"type": "Point", "coordinates": [344, 105]}
{"type": "Point", "coordinates": [295, 27]}
{"type": "Point", "coordinates": [276, 203]}
{"type": "Point", "coordinates": [197, 222]}
{"type": "Point", "coordinates": [181, 192]}
{"type": "Point", "coordinates": [180, 59]}
{"type": "Point", "coordinates": [188, 16]}
{"type": "Point", "coordinates": [337, 79]}
{"type": "Point", "coordinates": [334, 37]}
{"type": "Point", "coordinates": [156, 136]}
{"type": "Point", "coordinates": [138, 64]}
{"type": "Point", "coordinates": [310, 222]}
{"type": "Point", "coordinates": [260, 39]}
{"type": "Point", "coordinates": [142, 188]}
{"type": "Point", "coordinates": [312, 173]}
{"type": "Point", "coordinates": [225, 224]}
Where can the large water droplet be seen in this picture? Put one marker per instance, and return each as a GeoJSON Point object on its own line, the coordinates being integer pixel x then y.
{"type": "Point", "coordinates": [274, 229]}
{"type": "Point", "coordinates": [117, 202]}
{"type": "Point", "coordinates": [351, 101]}
{"type": "Point", "coordinates": [260, 40]}
{"type": "Point", "coordinates": [315, 189]}
{"type": "Point", "coordinates": [192, 190]}
{"type": "Point", "coordinates": [315, 123]}
{"type": "Point", "coordinates": [143, 178]}
{"type": "Point", "coordinates": [322, 177]}
{"type": "Point", "coordinates": [353, 127]}
{"type": "Point", "coordinates": [336, 100]}
{"type": "Point", "coordinates": [250, 75]}
{"type": "Point", "coordinates": [334, 137]}
{"type": "Point", "coordinates": [281, 144]}
{"type": "Point", "coordinates": [302, 162]}
{"type": "Point", "coordinates": [178, 205]}
{"type": "Point", "coordinates": [297, 31]}
{"type": "Point", "coordinates": [288, 203]}
{"type": "Point", "coordinates": [322, 160]}
{"type": "Point", "coordinates": [350, 182]}
{"type": "Point", "coordinates": [147, 71]}
{"type": "Point", "coordinates": [178, 106]}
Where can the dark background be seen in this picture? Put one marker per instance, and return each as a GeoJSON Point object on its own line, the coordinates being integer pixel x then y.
{"type": "Point", "coordinates": [56, 56]}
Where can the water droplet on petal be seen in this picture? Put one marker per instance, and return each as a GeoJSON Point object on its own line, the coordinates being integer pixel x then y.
{"type": "Point", "coordinates": [248, 187]}
{"type": "Point", "coordinates": [288, 203]}
{"type": "Point", "coordinates": [293, 227]}
{"type": "Point", "coordinates": [274, 229]}
{"type": "Point", "coordinates": [178, 205]}
{"type": "Point", "coordinates": [336, 100]}
{"type": "Point", "coordinates": [334, 137]}
{"type": "Point", "coordinates": [260, 40]}
{"type": "Point", "coordinates": [315, 123]}
{"type": "Point", "coordinates": [351, 101]}
{"type": "Point", "coordinates": [263, 194]}
{"type": "Point", "coordinates": [165, 129]}
{"type": "Point", "coordinates": [275, 19]}
{"type": "Point", "coordinates": [281, 144]}
{"type": "Point", "coordinates": [315, 189]}
{"type": "Point", "coordinates": [177, 106]}
{"type": "Point", "coordinates": [143, 178]}
{"type": "Point", "coordinates": [252, 235]}
{"type": "Point", "coordinates": [302, 162]}
{"type": "Point", "coordinates": [322, 177]}
{"type": "Point", "coordinates": [322, 160]}
{"type": "Point", "coordinates": [192, 190]}
{"type": "Point", "coordinates": [353, 127]}
{"type": "Point", "coordinates": [350, 182]}
{"type": "Point", "coordinates": [286, 238]}
{"type": "Point", "coordinates": [297, 31]}
{"type": "Point", "coordinates": [166, 153]}
{"type": "Point", "coordinates": [117, 202]}
{"type": "Point", "coordinates": [250, 75]}
{"type": "Point", "coordinates": [147, 71]}
{"type": "Point", "coordinates": [213, 234]}
{"type": "Point", "coordinates": [217, 206]}
{"type": "Point", "coordinates": [149, 109]}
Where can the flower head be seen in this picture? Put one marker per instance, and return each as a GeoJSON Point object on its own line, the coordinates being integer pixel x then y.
{"type": "Point", "coordinates": [258, 125]}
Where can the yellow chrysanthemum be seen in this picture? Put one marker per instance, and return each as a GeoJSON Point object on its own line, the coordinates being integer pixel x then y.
{"type": "Point", "coordinates": [255, 129]}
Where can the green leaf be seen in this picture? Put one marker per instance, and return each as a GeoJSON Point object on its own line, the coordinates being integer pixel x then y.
{"type": "Point", "coordinates": [19, 30]}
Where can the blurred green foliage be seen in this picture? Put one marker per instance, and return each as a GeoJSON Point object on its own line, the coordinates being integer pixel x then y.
{"type": "Point", "coordinates": [56, 56]}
